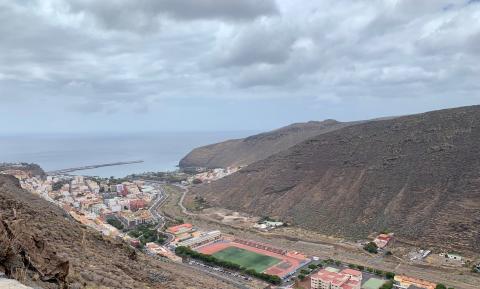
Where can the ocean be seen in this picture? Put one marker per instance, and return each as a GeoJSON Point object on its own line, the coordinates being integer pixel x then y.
{"type": "Point", "coordinates": [160, 151]}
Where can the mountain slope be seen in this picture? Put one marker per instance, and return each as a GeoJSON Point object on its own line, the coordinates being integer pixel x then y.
{"type": "Point", "coordinates": [241, 152]}
{"type": "Point", "coordinates": [42, 247]}
{"type": "Point", "coordinates": [418, 176]}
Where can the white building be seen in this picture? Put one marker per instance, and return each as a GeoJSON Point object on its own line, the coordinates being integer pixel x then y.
{"type": "Point", "coordinates": [203, 239]}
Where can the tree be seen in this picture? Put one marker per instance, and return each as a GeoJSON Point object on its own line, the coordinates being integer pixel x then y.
{"type": "Point", "coordinates": [57, 186]}
{"type": "Point", "coordinates": [440, 286]}
{"type": "Point", "coordinates": [301, 277]}
{"type": "Point", "coordinates": [389, 275]}
{"type": "Point", "coordinates": [116, 223]}
{"type": "Point", "coordinates": [371, 247]}
{"type": "Point", "coordinates": [312, 266]}
{"type": "Point", "coordinates": [387, 285]}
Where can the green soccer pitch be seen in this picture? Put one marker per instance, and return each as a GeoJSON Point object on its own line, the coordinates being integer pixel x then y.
{"type": "Point", "coordinates": [247, 259]}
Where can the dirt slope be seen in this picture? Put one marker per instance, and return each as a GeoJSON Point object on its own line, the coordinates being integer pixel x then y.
{"type": "Point", "coordinates": [41, 246]}
{"type": "Point", "coordinates": [418, 176]}
{"type": "Point", "coordinates": [241, 152]}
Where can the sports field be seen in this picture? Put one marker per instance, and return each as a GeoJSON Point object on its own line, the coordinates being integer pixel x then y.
{"type": "Point", "coordinates": [247, 259]}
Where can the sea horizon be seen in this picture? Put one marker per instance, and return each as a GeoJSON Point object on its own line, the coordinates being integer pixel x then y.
{"type": "Point", "coordinates": [159, 151]}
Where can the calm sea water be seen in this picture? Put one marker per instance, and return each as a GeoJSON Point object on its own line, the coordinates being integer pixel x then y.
{"type": "Point", "coordinates": [160, 151]}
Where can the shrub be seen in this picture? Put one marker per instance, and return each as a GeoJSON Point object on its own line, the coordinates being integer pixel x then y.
{"type": "Point", "coordinates": [371, 247]}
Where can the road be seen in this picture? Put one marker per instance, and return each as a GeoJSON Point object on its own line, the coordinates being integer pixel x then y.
{"type": "Point", "coordinates": [180, 202]}
{"type": "Point", "coordinates": [154, 209]}
{"type": "Point", "coordinates": [158, 202]}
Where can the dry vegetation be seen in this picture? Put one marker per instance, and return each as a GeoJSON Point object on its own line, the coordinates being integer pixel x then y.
{"type": "Point", "coordinates": [41, 246]}
{"type": "Point", "coordinates": [416, 175]}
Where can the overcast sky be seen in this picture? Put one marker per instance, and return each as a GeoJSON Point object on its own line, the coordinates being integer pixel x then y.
{"type": "Point", "coordinates": [114, 65]}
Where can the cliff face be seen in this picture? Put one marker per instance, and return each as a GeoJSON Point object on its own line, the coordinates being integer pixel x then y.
{"type": "Point", "coordinates": [418, 176]}
{"type": "Point", "coordinates": [42, 247]}
{"type": "Point", "coordinates": [241, 152]}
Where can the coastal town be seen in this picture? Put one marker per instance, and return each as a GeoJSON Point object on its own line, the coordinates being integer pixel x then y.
{"type": "Point", "coordinates": [129, 209]}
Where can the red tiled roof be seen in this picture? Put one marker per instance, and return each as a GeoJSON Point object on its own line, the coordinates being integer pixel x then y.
{"type": "Point", "coordinates": [352, 272]}
{"type": "Point", "coordinates": [341, 279]}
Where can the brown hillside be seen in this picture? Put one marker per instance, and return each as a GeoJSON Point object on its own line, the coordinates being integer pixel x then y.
{"type": "Point", "coordinates": [241, 152]}
{"type": "Point", "coordinates": [41, 246]}
{"type": "Point", "coordinates": [418, 176]}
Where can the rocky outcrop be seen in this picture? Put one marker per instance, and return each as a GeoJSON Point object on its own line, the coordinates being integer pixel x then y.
{"type": "Point", "coordinates": [26, 250]}
{"type": "Point", "coordinates": [42, 247]}
{"type": "Point", "coordinates": [241, 152]}
{"type": "Point", "coordinates": [418, 176]}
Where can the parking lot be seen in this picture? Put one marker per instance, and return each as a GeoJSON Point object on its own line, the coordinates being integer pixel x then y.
{"type": "Point", "coordinates": [221, 270]}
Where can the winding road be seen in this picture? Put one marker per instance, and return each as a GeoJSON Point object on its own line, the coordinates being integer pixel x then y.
{"type": "Point", "coordinates": [154, 209]}
{"type": "Point", "coordinates": [158, 202]}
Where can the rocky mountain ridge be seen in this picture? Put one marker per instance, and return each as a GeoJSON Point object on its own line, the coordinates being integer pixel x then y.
{"type": "Point", "coordinates": [242, 152]}
{"type": "Point", "coordinates": [418, 176]}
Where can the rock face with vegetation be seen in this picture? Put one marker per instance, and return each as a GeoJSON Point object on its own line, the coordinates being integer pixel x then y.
{"type": "Point", "coordinates": [43, 248]}
{"type": "Point", "coordinates": [241, 152]}
{"type": "Point", "coordinates": [418, 176]}
{"type": "Point", "coordinates": [31, 169]}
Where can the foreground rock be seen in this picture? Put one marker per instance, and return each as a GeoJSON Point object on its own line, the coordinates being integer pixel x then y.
{"type": "Point", "coordinates": [42, 247]}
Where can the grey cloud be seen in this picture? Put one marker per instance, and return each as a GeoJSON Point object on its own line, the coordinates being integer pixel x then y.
{"type": "Point", "coordinates": [145, 15]}
{"type": "Point", "coordinates": [217, 9]}
{"type": "Point", "coordinates": [260, 42]}
{"type": "Point", "coordinates": [83, 53]}
{"type": "Point", "coordinates": [388, 47]}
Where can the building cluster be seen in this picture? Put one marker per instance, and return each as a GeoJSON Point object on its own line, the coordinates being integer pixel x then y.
{"type": "Point", "coordinates": [156, 250]}
{"type": "Point", "coordinates": [330, 278]}
{"type": "Point", "coordinates": [383, 240]}
{"type": "Point", "coordinates": [188, 236]}
{"type": "Point", "coordinates": [267, 225]}
{"type": "Point", "coordinates": [406, 282]}
{"type": "Point", "coordinates": [92, 202]}
{"type": "Point", "coordinates": [214, 174]}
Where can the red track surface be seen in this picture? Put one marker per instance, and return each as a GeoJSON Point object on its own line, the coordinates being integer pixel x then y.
{"type": "Point", "coordinates": [289, 262]}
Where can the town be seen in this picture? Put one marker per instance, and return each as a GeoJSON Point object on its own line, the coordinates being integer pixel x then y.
{"type": "Point", "coordinates": [129, 209]}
